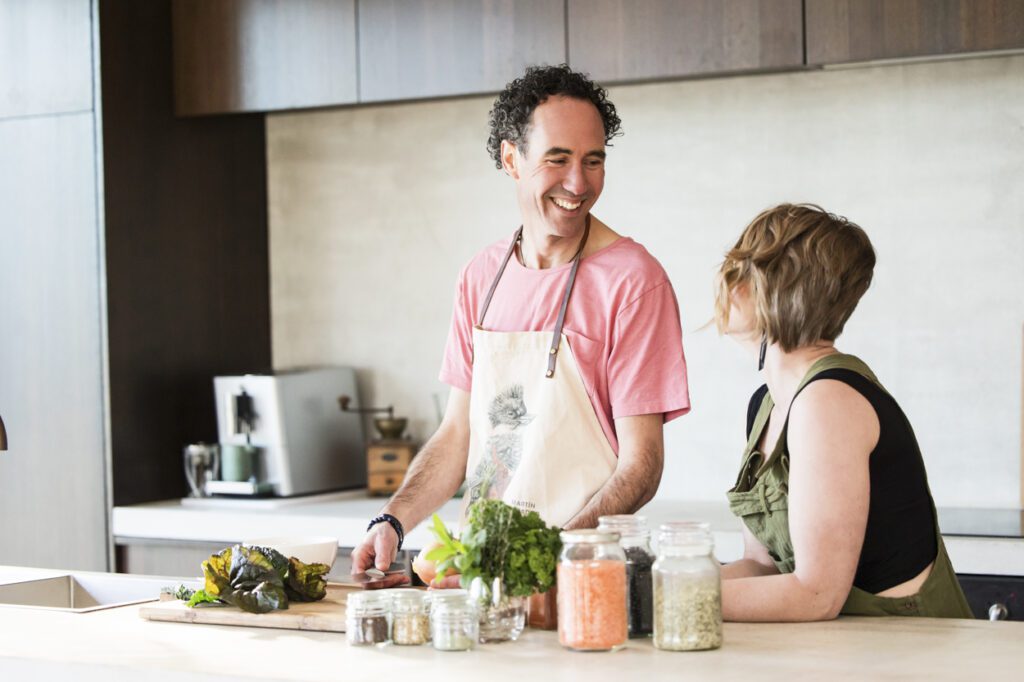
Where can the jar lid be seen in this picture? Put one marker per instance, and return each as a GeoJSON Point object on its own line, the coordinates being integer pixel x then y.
{"type": "Point", "coordinates": [407, 597]}
{"type": "Point", "coordinates": [623, 524]}
{"type": "Point", "coordinates": [368, 599]}
{"type": "Point", "coordinates": [685, 533]}
{"type": "Point", "coordinates": [588, 535]}
{"type": "Point", "coordinates": [456, 597]}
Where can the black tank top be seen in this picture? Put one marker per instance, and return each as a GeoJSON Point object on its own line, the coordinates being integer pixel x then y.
{"type": "Point", "coordinates": [899, 541]}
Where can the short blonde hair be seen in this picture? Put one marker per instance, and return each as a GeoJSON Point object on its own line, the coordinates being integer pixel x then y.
{"type": "Point", "coordinates": [806, 270]}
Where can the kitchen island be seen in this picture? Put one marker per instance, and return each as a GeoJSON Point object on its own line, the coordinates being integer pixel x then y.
{"type": "Point", "coordinates": [190, 530]}
{"type": "Point", "coordinates": [117, 644]}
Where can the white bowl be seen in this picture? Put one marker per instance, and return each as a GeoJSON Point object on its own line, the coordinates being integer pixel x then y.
{"type": "Point", "coordinates": [308, 550]}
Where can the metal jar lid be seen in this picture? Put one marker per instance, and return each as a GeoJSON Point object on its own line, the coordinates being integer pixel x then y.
{"type": "Point", "coordinates": [588, 536]}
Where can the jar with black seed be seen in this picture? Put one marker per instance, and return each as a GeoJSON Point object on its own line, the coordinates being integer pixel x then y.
{"type": "Point", "coordinates": [635, 540]}
{"type": "Point", "coordinates": [368, 618]}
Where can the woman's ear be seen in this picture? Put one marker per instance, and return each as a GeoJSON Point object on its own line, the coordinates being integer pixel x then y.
{"type": "Point", "coordinates": [509, 159]}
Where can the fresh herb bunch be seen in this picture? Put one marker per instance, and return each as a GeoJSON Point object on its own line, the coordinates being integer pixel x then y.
{"type": "Point", "coordinates": [500, 541]}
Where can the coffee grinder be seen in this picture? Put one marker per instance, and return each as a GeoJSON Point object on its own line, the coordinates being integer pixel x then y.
{"type": "Point", "coordinates": [388, 457]}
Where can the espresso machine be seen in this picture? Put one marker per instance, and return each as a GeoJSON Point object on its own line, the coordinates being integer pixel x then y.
{"type": "Point", "coordinates": [290, 423]}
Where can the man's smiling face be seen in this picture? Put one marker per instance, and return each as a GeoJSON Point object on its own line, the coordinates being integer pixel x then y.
{"type": "Point", "coordinates": [561, 174]}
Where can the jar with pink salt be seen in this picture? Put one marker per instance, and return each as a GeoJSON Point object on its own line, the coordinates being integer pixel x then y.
{"type": "Point", "coordinates": [592, 609]}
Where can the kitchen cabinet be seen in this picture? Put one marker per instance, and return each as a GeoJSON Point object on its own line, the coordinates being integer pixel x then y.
{"type": "Point", "coordinates": [410, 49]}
{"type": "Point", "coordinates": [263, 55]}
{"type": "Point", "coordinates": [45, 57]}
{"type": "Point", "coordinates": [132, 270]}
{"type": "Point", "coordinates": [53, 498]}
{"type": "Point", "coordinates": [626, 40]}
{"type": "Point", "coordinates": [861, 30]}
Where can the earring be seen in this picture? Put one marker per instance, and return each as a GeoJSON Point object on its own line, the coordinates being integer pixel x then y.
{"type": "Point", "coordinates": [764, 348]}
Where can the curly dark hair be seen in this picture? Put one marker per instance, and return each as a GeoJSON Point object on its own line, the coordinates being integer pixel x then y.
{"type": "Point", "coordinates": [510, 115]}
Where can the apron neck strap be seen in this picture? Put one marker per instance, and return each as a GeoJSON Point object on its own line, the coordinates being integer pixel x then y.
{"type": "Point", "coordinates": [556, 336]}
{"type": "Point", "coordinates": [516, 239]}
{"type": "Point", "coordinates": [494, 285]}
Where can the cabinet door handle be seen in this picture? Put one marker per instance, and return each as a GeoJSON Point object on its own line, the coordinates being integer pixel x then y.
{"type": "Point", "coordinates": [998, 612]}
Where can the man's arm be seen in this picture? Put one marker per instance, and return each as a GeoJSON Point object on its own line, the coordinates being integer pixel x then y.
{"type": "Point", "coordinates": [434, 477]}
{"type": "Point", "coordinates": [637, 474]}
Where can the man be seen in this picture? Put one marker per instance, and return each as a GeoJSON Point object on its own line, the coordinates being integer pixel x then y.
{"type": "Point", "coordinates": [565, 353]}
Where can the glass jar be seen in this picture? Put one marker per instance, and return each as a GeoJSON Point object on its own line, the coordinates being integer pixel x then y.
{"type": "Point", "coordinates": [454, 621]}
{"type": "Point", "coordinates": [591, 591]}
{"type": "Point", "coordinates": [410, 617]}
{"type": "Point", "coordinates": [368, 618]}
{"type": "Point", "coordinates": [635, 540]}
{"type": "Point", "coordinates": [502, 618]}
{"type": "Point", "coordinates": [687, 589]}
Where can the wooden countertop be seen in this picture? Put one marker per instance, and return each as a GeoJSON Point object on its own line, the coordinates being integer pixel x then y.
{"type": "Point", "coordinates": [118, 644]}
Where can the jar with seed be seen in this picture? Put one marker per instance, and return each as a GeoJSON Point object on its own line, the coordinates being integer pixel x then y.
{"type": "Point", "coordinates": [410, 617]}
{"type": "Point", "coordinates": [635, 540]}
{"type": "Point", "coordinates": [368, 618]}
{"type": "Point", "coordinates": [687, 589]}
{"type": "Point", "coordinates": [454, 621]}
{"type": "Point", "coordinates": [591, 591]}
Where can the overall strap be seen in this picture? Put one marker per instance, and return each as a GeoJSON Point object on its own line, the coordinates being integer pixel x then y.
{"type": "Point", "coordinates": [494, 285]}
{"type": "Point", "coordinates": [556, 336]}
{"type": "Point", "coordinates": [834, 361]}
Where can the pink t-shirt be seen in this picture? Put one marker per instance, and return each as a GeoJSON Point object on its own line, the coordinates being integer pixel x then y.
{"type": "Point", "coordinates": [622, 325]}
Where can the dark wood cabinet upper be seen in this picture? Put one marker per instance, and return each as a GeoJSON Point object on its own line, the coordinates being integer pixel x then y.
{"type": "Point", "coordinates": [862, 30]}
{"type": "Point", "coordinates": [411, 49]}
{"type": "Point", "coordinates": [624, 40]}
{"type": "Point", "coordinates": [262, 55]}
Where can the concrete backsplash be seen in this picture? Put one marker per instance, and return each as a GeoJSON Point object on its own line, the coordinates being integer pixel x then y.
{"type": "Point", "coordinates": [374, 210]}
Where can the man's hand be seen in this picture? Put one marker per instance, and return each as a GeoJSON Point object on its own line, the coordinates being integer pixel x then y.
{"type": "Point", "coordinates": [377, 550]}
{"type": "Point", "coordinates": [432, 479]}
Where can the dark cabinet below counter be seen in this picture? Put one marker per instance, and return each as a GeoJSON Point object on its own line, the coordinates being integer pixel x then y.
{"type": "Point", "coordinates": [994, 597]}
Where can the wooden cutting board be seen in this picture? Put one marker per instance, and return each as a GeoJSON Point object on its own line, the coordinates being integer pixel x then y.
{"type": "Point", "coordinates": [326, 615]}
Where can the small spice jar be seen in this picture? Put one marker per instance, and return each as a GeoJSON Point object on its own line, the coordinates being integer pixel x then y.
{"type": "Point", "coordinates": [410, 617]}
{"type": "Point", "coordinates": [454, 621]}
{"type": "Point", "coordinates": [591, 591]}
{"type": "Point", "coordinates": [687, 589]}
{"type": "Point", "coordinates": [635, 540]}
{"type": "Point", "coordinates": [368, 618]}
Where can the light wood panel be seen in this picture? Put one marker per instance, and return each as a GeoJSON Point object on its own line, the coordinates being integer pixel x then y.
{"type": "Point", "coordinates": [45, 57]}
{"type": "Point", "coordinates": [52, 478]}
{"type": "Point", "coordinates": [263, 55]}
{"type": "Point", "coordinates": [624, 40]}
{"type": "Point", "coordinates": [411, 49]}
{"type": "Point", "coordinates": [861, 30]}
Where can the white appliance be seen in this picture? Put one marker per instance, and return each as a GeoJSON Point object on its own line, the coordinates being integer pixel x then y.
{"type": "Point", "coordinates": [305, 443]}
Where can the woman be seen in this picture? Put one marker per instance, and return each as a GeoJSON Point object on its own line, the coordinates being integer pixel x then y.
{"type": "Point", "coordinates": [837, 513]}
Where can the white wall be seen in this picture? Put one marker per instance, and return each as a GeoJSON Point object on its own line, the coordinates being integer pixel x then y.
{"type": "Point", "coordinates": [373, 211]}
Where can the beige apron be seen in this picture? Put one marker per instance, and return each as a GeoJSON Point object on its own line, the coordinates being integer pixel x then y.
{"type": "Point", "coordinates": [535, 441]}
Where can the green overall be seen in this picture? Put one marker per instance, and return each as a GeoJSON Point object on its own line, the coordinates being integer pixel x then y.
{"type": "Point", "coordinates": [761, 498]}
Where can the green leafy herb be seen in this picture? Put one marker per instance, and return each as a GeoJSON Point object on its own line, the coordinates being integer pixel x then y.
{"type": "Point", "coordinates": [199, 597]}
{"type": "Point", "coordinates": [500, 541]}
{"type": "Point", "coordinates": [306, 582]}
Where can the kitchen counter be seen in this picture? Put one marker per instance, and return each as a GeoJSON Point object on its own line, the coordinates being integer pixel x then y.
{"type": "Point", "coordinates": [118, 644]}
{"type": "Point", "coordinates": [344, 515]}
